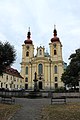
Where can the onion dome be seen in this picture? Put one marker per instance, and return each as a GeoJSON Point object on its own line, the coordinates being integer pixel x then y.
{"type": "Point", "coordinates": [28, 41]}
{"type": "Point", "coordinates": [55, 38]}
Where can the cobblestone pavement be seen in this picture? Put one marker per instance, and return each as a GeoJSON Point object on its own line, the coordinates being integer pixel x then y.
{"type": "Point", "coordinates": [31, 108]}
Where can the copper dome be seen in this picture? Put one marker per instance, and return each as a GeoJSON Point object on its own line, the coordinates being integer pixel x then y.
{"type": "Point", "coordinates": [28, 41]}
{"type": "Point", "coordinates": [55, 39]}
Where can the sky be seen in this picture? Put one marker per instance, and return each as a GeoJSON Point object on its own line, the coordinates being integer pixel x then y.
{"type": "Point", "coordinates": [16, 16]}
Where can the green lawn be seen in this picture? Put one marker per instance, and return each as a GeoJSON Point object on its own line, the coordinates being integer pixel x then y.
{"type": "Point", "coordinates": [7, 110]}
{"type": "Point", "coordinates": [69, 111]}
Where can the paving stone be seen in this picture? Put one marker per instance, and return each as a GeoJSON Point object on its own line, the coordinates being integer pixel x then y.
{"type": "Point", "coordinates": [31, 109]}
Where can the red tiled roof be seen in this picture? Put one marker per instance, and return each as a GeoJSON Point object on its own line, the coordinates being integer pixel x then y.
{"type": "Point", "coordinates": [13, 72]}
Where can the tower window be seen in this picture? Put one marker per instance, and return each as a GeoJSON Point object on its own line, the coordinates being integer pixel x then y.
{"type": "Point", "coordinates": [27, 53]}
{"type": "Point", "coordinates": [40, 52]}
{"type": "Point", "coordinates": [26, 79]}
{"type": "Point", "coordinates": [54, 45]}
{"type": "Point", "coordinates": [56, 79]}
{"type": "Point", "coordinates": [40, 69]}
{"type": "Point", "coordinates": [55, 69]}
{"type": "Point", "coordinates": [55, 53]}
{"type": "Point", "coordinates": [26, 70]}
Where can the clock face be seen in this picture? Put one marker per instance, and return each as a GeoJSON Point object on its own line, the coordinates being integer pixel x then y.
{"type": "Point", "coordinates": [27, 47]}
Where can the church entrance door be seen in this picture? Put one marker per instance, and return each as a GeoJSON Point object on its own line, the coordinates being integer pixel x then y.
{"type": "Point", "coordinates": [40, 84]}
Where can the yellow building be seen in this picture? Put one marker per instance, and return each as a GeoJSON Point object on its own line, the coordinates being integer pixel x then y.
{"type": "Point", "coordinates": [49, 67]}
{"type": "Point", "coordinates": [11, 79]}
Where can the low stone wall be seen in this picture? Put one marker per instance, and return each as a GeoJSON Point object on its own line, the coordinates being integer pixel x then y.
{"type": "Point", "coordinates": [74, 94]}
{"type": "Point", "coordinates": [46, 94]}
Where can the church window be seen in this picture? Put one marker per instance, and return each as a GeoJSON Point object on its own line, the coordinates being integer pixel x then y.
{"type": "Point", "coordinates": [26, 70]}
{"type": "Point", "coordinates": [26, 79]}
{"type": "Point", "coordinates": [56, 85]}
{"type": "Point", "coordinates": [40, 69]}
{"type": "Point", "coordinates": [55, 69]}
{"type": "Point", "coordinates": [56, 79]}
{"type": "Point", "coordinates": [55, 53]}
{"type": "Point", "coordinates": [27, 47]}
{"type": "Point", "coordinates": [40, 52]}
{"type": "Point", "coordinates": [27, 53]}
{"type": "Point", "coordinates": [54, 45]}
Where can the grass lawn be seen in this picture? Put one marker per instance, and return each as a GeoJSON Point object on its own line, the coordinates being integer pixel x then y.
{"type": "Point", "coordinates": [6, 110]}
{"type": "Point", "coordinates": [69, 111]}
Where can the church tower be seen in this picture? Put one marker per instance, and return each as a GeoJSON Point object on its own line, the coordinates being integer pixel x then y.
{"type": "Point", "coordinates": [27, 55]}
{"type": "Point", "coordinates": [56, 58]}
{"type": "Point", "coordinates": [55, 47]}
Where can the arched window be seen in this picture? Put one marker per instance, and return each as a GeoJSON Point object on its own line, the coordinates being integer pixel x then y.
{"type": "Point", "coordinates": [56, 79]}
{"type": "Point", "coordinates": [54, 45]}
{"type": "Point", "coordinates": [26, 70]}
{"type": "Point", "coordinates": [40, 69]}
{"type": "Point", "coordinates": [55, 69]}
{"type": "Point", "coordinates": [40, 52]}
{"type": "Point", "coordinates": [56, 85]}
{"type": "Point", "coordinates": [26, 79]}
{"type": "Point", "coordinates": [27, 53]}
{"type": "Point", "coordinates": [55, 53]}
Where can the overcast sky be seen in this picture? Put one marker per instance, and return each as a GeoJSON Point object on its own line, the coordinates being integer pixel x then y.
{"type": "Point", "coordinates": [40, 15]}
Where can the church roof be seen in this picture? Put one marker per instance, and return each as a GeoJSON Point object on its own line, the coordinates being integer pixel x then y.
{"type": "Point", "coordinates": [55, 38]}
{"type": "Point", "coordinates": [28, 41]}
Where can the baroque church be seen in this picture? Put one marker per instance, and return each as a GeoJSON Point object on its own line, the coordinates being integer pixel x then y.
{"type": "Point", "coordinates": [48, 67]}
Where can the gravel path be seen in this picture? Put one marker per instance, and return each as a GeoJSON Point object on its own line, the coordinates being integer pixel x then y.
{"type": "Point", "coordinates": [31, 108]}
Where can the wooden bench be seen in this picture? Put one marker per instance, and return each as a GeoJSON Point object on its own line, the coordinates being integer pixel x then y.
{"type": "Point", "coordinates": [7, 99]}
{"type": "Point", "coordinates": [60, 99]}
